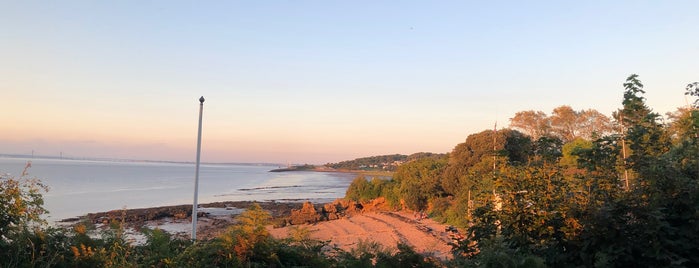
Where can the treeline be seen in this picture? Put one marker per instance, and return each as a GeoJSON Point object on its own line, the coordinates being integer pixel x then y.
{"type": "Point", "coordinates": [381, 162]}
{"type": "Point", "coordinates": [575, 188]}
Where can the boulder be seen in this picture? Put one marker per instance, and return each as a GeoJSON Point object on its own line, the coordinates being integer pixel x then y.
{"type": "Point", "coordinates": [331, 211]}
{"type": "Point", "coordinates": [377, 204]}
{"type": "Point", "coordinates": [307, 214]}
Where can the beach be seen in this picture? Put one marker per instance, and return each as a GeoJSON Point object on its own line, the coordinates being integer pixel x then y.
{"type": "Point", "coordinates": [387, 228]}
{"type": "Point", "coordinates": [344, 228]}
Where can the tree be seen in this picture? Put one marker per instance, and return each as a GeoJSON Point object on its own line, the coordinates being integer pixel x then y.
{"type": "Point", "coordinates": [693, 90]}
{"type": "Point", "coordinates": [654, 222]}
{"type": "Point", "coordinates": [593, 124]}
{"type": "Point", "coordinates": [533, 123]}
{"type": "Point", "coordinates": [477, 155]}
{"type": "Point", "coordinates": [683, 124]}
{"type": "Point", "coordinates": [568, 124]}
{"type": "Point", "coordinates": [533, 217]}
{"type": "Point", "coordinates": [565, 123]}
{"type": "Point", "coordinates": [634, 111]}
{"type": "Point", "coordinates": [362, 190]}
{"type": "Point", "coordinates": [546, 149]}
{"type": "Point", "coordinates": [645, 137]}
{"type": "Point", "coordinates": [570, 151]}
{"type": "Point", "coordinates": [358, 189]}
{"type": "Point", "coordinates": [419, 181]}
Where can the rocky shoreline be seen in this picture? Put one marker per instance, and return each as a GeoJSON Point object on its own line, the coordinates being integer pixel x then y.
{"type": "Point", "coordinates": [214, 218]}
{"type": "Point", "coordinates": [344, 223]}
{"type": "Point", "coordinates": [285, 213]}
{"type": "Point", "coordinates": [140, 215]}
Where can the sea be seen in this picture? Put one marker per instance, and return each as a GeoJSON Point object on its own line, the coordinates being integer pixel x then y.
{"type": "Point", "coordinates": [78, 187]}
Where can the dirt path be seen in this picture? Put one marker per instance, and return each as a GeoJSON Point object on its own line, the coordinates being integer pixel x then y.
{"type": "Point", "coordinates": [387, 228]}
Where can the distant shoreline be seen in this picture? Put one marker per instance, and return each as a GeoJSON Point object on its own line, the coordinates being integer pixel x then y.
{"type": "Point", "coordinates": [314, 168]}
{"type": "Point", "coordinates": [121, 160]}
{"type": "Point", "coordinates": [329, 169]}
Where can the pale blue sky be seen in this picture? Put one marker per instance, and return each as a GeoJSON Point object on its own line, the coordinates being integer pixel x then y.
{"type": "Point", "coordinates": [320, 81]}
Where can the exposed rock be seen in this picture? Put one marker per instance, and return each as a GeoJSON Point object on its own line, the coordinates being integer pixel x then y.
{"type": "Point", "coordinates": [330, 208]}
{"type": "Point", "coordinates": [179, 212]}
{"type": "Point", "coordinates": [331, 212]}
{"type": "Point", "coordinates": [307, 214]}
{"type": "Point", "coordinates": [338, 209]}
{"type": "Point", "coordinates": [378, 204]}
{"type": "Point", "coordinates": [355, 207]}
{"type": "Point", "coordinates": [350, 206]}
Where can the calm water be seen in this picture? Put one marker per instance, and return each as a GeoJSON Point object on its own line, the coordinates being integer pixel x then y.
{"type": "Point", "coordinates": [78, 187]}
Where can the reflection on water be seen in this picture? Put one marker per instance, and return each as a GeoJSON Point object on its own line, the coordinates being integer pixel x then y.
{"type": "Point", "coordinates": [78, 187]}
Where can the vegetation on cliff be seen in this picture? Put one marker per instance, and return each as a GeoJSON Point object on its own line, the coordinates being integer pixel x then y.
{"type": "Point", "coordinates": [573, 189]}
{"type": "Point", "coordinates": [381, 162]}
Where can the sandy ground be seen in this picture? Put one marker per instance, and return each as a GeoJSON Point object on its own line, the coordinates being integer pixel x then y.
{"type": "Point", "coordinates": [387, 228]}
{"type": "Point", "coordinates": [426, 236]}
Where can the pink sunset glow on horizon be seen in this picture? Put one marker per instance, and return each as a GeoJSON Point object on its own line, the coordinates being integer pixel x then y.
{"type": "Point", "coordinates": [319, 83]}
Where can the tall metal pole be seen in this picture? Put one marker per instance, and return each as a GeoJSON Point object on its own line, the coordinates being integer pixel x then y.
{"type": "Point", "coordinates": [196, 176]}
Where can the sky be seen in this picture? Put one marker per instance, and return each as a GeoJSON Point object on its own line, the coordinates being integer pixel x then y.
{"type": "Point", "coordinates": [320, 81]}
